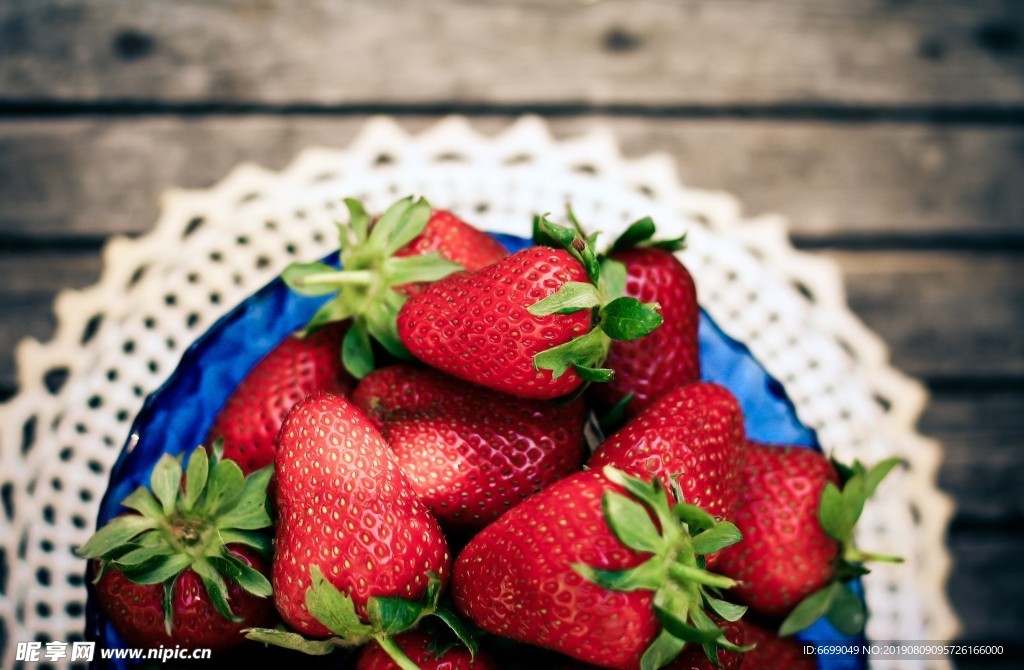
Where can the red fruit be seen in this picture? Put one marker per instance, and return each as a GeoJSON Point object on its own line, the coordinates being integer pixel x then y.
{"type": "Point", "coordinates": [345, 508]}
{"type": "Point", "coordinates": [773, 652]}
{"type": "Point", "coordinates": [693, 435]}
{"type": "Point", "coordinates": [251, 419]}
{"type": "Point", "coordinates": [540, 574]}
{"type": "Point", "coordinates": [455, 240]}
{"type": "Point", "coordinates": [192, 543]}
{"type": "Point", "coordinates": [137, 612]}
{"type": "Point", "coordinates": [653, 365]}
{"type": "Point", "coordinates": [470, 453]}
{"type": "Point", "coordinates": [785, 555]}
{"type": "Point", "coordinates": [423, 650]}
{"type": "Point", "coordinates": [476, 326]}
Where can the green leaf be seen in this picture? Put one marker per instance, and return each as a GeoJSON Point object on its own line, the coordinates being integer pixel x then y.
{"type": "Point", "coordinates": [596, 375]}
{"type": "Point", "coordinates": [649, 576]}
{"type": "Point", "coordinates": [631, 523]}
{"type": "Point", "coordinates": [294, 276]}
{"type": "Point", "coordinates": [330, 312]}
{"type": "Point", "coordinates": [638, 232]}
{"type": "Point", "coordinates": [540, 237]}
{"type": "Point", "coordinates": [678, 627]}
{"type": "Point", "coordinates": [216, 589]}
{"type": "Point", "coordinates": [560, 236]}
{"type": "Point", "coordinates": [236, 570]}
{"type": "Point", "coordinates": [358, 219]}
{"type": "Point", "coordinates": [662, 651]}
{"type": "Point", "coordinates": [385, 227]}
{"type": "Point", "coordinates": [721, 535]}
{"type": "Point", "coordinates": [685, 574]}
{"type": "Point", "coordinates": [333, 608]}
{"type": "Point", "coordinates": [166, 482]}
{"type": "Point", "coordinates": [694, 517]}
{"type": "Point", "coordinates": [142, 554]}
{"type": "Point", "coordinates": [446, 613]}
{"type": "Point", "coordinates": [195, 478]}
{"type": "Point", "coordinates": [613, 279]}
{"type": "Point", "coordinates": [586, 350]}
{"type": "Point", "coordinates": [726, 610]}
{"type": "Point", "coordinates": [168, 605]}
{"type": "Point", "coordinates": [409, 226]}
{"type": "Point", "coordinates": [878, 473]}
{"type": "Point", "coordinates": [832, 514]}
{"type": "Point", "coordinates": [635, 486]}
{"type": "Point", "coordinates": [294, 641]}
{"type": "Point", "coordinates": [261, 542]}
{"type": "Point", "coordinates": [382, 324]}
{"type": "Point", "coordinates": [419, 268]}
{"type": "Point", "coordinates": [249, 511]}
{"type": "Point", "coordinates": [356, 350]}
{"type": "Point", "coordinates": [675, 244]}
{"type": "Point", "coordinates": [394, 615]}
{"type": "Point", "coordinates": [810, 609]}
{"type": "Point", "coordinates": [224, 488]}
{"type": "Point", "coordinates": [142, 501]}
{"type": "Point", "coordinates": [846, 611]}
{"type": "Point", "coordinates": [855, 495]}
{"type": "Point", "coordinates": [115, 534]}
{"type": "Point", "coordinates": [571, 297]}
{"type": "Point", "coordinates": [629, 319]}
{"type": "Point", "coordinates": [157, 570]}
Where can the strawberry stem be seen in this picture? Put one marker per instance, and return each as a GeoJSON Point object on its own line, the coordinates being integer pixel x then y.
{"type": "Point", "coordinates": [395, 652]}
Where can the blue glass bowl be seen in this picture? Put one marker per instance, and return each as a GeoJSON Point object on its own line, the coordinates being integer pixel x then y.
{"type": "Point", "coordinates": [176, 417]}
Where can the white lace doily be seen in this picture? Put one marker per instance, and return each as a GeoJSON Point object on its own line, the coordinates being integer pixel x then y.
{"type": "Point", "coordinates": [119, 340]}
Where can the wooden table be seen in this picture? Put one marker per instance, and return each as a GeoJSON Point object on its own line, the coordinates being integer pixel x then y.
{"type": "Point", "coordinates": [890, 133]}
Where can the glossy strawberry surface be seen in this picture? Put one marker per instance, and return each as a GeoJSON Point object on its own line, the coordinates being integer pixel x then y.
{"type": "Point", "coordinates": [455, 240]}
{"type": "Point", "coordinates": [345, 506]}
{"type": "Point", "coordinates": [785, 555]}
{"type": "Point", "coordinates": [425, 652]}
{"type": "Point", "coordinates": [252, 417]}
{"type": "Point", "coordinates": [693, 435]}
{"type": "Point", "coordinates": [515, 578]}
{"type": "Point", "coordinates": [470, 453]}
{"type": "Point", "coordinates": [137, 609]}
{"type": "Point", "coordinates": [475, 325]}
{"type": "Point", "coordinates": [655, 364]}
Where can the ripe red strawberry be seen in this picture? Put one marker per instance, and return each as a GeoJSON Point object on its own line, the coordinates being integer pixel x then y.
{"type": "Point", "coordinates": [347, 513]}
{"type": "Point", "coordinates": [427, 653]}
{"type": "Point", "coordinates": [184, 567]}
{"type": "Point", "coordinates": [693, 435]}
{"type": "Point", "coordinates": [470, 453]}
{"type": "Point", "coordinates": [797, 526]}
{"type": "Point", "coordinates": [534, 324]}
{"type": "Point", "coordinates": [384, 261]}
{"type": "Point", "coordinates": [771, 652]}
{"type": "Point", "coordinates": [251, 419]}
{"type": "Point", "coordinates": [653, 365]}
{"type": "Point", "coordinates": [582, 569]}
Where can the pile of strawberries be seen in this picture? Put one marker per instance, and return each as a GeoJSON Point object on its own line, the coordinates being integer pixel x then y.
{"type": "Point", "coordinates": [416, 475]}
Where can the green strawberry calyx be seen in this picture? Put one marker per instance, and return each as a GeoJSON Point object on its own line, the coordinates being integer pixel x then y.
{"type": "Point", "coordinates": [388, 616]}
{"type": "Point", "coordinates": [365, 289]}
{"type": "Point", "coordinates": [640, 233]}
{"type": "Point", "coordinates": [615, 315]}
{"type": "Point", "coordinates": [678, 538]}
{"type": "Point", "coordinates": [838, 512]}
{"type": "Point", "coordinates": [189, 526]}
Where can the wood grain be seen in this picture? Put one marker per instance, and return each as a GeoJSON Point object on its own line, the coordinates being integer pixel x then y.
{"type": "Point", "coordinates": [91, 177]}
{"type": "Point", "coordinates": [647, 52]}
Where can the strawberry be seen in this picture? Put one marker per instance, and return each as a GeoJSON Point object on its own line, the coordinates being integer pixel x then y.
{"type": "Point", "coordinates": [251, 419]}
{"type": "Point", "coordinates": [771, 652]}
{"type": "Point", "coordinates": [798, 526]}
{"type": "Point", "coordinates": [650, 367]}
{"type": "Point", "coordinates": [383, 261]}
{"type": "Point", "coordinates": [358, 557]}
{"type": "Point", "coordinates": [470, 453]}
{"type": "Point", "coordinates": [535, 324]}
{"type": "Point", "coordinates": [427, 653]}
{"type": "Point", "coordinates": [693, 436]}
{"type": "Point", "coordinates": [598, 567]}
{"type": "Point", "coordinates": [184, 567]}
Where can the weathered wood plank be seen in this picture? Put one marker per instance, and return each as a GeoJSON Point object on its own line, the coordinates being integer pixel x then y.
{"type": "Point", "coordinates": [96, 176]}
{"type": "Point", "coordinates": [985, 585]}
{"type": "Point", "coordinates": [649, 52]}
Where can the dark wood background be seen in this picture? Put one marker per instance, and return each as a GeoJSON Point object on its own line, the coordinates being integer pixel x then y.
{"type": "Point", "coordinates": [889, 132]}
